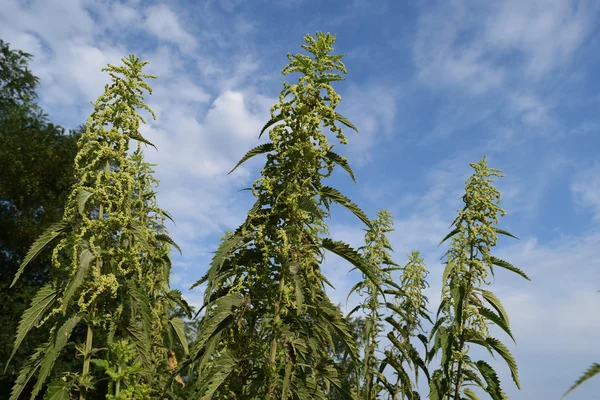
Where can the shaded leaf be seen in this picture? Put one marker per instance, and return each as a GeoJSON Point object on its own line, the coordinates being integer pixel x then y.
{"type": "Point", "coordinates": [49, 234]}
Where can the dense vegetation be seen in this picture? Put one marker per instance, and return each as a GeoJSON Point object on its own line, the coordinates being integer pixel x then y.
{"type": "Point", "coordinates": [84, 244]}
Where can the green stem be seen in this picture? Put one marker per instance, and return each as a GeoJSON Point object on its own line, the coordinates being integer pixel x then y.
{"type": "Point", "coordinates": [276, 320]}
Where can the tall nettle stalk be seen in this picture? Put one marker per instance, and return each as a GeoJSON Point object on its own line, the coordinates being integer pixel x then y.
{"type": "Point", "coordinates": [266, 331]}
{"type": "Point", "coordinates": [467, 309]}
{"type": "Point", "coordinates": [376, 253]}
{"type": "Point", "coordinates": [408, 310]}
{"type": "Point", "coordinates": [102, 243]}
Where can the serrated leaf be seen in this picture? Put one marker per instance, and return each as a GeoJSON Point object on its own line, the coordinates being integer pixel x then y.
{"type": "Point", "coordinates": [28, 371]}
{"type": "Point", "coordinates": [179, 327]}
{"type": "Point", "coordinates": [458, 296]}
{"type": "Point", "coordinates": [59, 342]}
{"type": "Point", "coordinates": [507, 356]}
{"type": "Point", "coordinates": [334, 195]}
{"type": "Point", "coordinates": [167, 239]}
{"type": "Point", "coordinates": [352, 256]}
{"type": "Point", "coordinates": [58, 390]}
{"type": "Point", "coordinates": [491, 298]}
{"type": "Point", "coordinates": [345, 121]}
{"type": "Point", "coordinates": [471, 395]}
{"type": "Point", "coordinates": [448, 270]}
{"type": "Point", "coordinates": [454, 232]}
{"type": "Point", "coordinates": [49, 234]}
{"type": "Point", "coordinates": [43, 301]}
{"type": "Point", "coordinates": [496, 319]}
{"type": "Point", "coordinates": [590, 373]}
{"type": "Point", "coordinates": [501, 263]}
{"type": "Point", "coordinates": [270, 123]}
{"type": "Point", "coordinates": [503, 232]}
{"type": "Point", "coordinates": [85, 259]}
{"type": "Point", "coordinates": [342, 162]}
{"type": "Point", "coordinates": [260, 149]}
{"type": "Point", "coordinates": [82, 197]}
{"type": "Point", "coordinates": [491, 378]}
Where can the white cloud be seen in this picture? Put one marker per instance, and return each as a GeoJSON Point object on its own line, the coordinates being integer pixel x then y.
{"type": "Point", "coordinates": [162, 22]}
{"type": "Point", "coordinates": [546, 32]}
{"type": "Point", "coordinates": [586, 190]}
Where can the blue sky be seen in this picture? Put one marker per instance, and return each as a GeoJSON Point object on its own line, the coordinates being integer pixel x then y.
{"type": "Point", "coordinates": [431, 87]}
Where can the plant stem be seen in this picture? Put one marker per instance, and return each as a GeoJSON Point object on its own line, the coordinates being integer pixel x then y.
{"type": "Point", "coordinates": [276, 319]}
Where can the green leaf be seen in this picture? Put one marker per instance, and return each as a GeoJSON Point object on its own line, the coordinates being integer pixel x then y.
{"type": "Point", "coordinates": [454, 232]}
{"type": "Point", "coordinates": [82, 197]}
{"type": "Point", "coordinates": [448, 270]}
{"type": "Point", "coordinates": [496, 304]}
{"type": "Point", "coordinates": [334, 195]}
{"type": "Point", "coordinates": [503, 232]}
{"type": "Point", "coordinates": [40, 304]}
{"type": "Point", "coordinates": [141, 139]}
{"type": "Point", "coordinates": [49, 234]}
{"type": "Point", "coordinates": [458, 295]}
{"type": "Point", "coordinates": [493, 383]}
{"type": "Point", "coordinates": [470, 394]}
{"type": "Point", "coordinates": [85, 259]}
{"type": "Point", "coordinates": [271, 122]}
{"type": "Point", "coordinates": [352, 256]}
{"type": "Point", "coordinates": [507, 356]}
{"type": "Point", "coordinates": [496, 319]}
{"type": "Point", "coordinates": [220, 370]}
{"type": "Point", "coordinates": [167, 239]}
{"type": "Point", "coordinates": [345, 121]}
{"type": "Point", "coordinates": [59, 342]}
{"type": "Point", "coordinates": [590, 373]}
{"type": "Point", "coordinates": [508, 266]}
{"type": "Point", "coordinates": [260, 149]}
{"type": "Point", "coordinates": [342, 162]}
{"type": "Point", "coordinates": [28, 371]}
{"type": "Point", "coordinates": [59, 390]}
{"type": "Point", "coordinates": [179, 327]}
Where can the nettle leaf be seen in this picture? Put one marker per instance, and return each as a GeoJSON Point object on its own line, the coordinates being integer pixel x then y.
{"type": "Point", "coordinates": [345, 121]}
{"type": "Point", "coordinates": [270, 123]}
{"type": "Point", "coordinates": [507, 356]}
{"type": "Point", "coordinates": [471, 395]}
{"type": "Point", "coordinates": [501, 263]}
{"type": "Point", "coordinates": [82, 197]}
{"type": "Point", "coordinates": [496, 319]}
{"type": "Point", "coordinates": [41, 303]}
{"type": "Point", "coordinates": [491, 378]}
{"type": "Point", "coordinates": [590, 373]}
{"type": "Point", "coordinates": [85, 259]}
{"type": "Point", "coordinates": [503, 232]}
{"type": "Point", "coordinates": [49, 234]}
{"type": "Point", "coordinates": [496, 304]}
{"type": "Point", "coordinates": [28, 371]}
{"type": "Point", "coordinates": [58, 343]}
{"type": "Point", "coordinates": [167, 239]}
{"type": "Point", "coordinates": [448, 236]}
{"type": "Point", "coordinates": [352, 256]}
{"type": "Point", "coordinates": [260, 149]}
{"type": "Point", "coordinates": [342, 162]}
{"type": "Point", "coordinates": [220, 370]}
{"type": "Point", "coordinates": [458, 296]}
{"type": "Point", "coordinates": [334, 195]}
{"type": "Point", "coordinates": [179, 327]}
{"type": "Point", "coordinates": [59, 390]}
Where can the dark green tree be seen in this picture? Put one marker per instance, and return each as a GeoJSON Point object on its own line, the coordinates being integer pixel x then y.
{"type": "Point", "coordinates": [36, 174]}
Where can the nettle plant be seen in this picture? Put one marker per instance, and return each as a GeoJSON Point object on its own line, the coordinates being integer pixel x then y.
{"type": "Point", "coordinates": [405, 306]}
{"type": "Point", "coordinates": [408, 311]}
{"type": "Point", "coordinates": [267, 328]}
{"type": "Point", "coordinates": [467, 309]}
{"type": "Point", "coordinates": [112, 251]}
